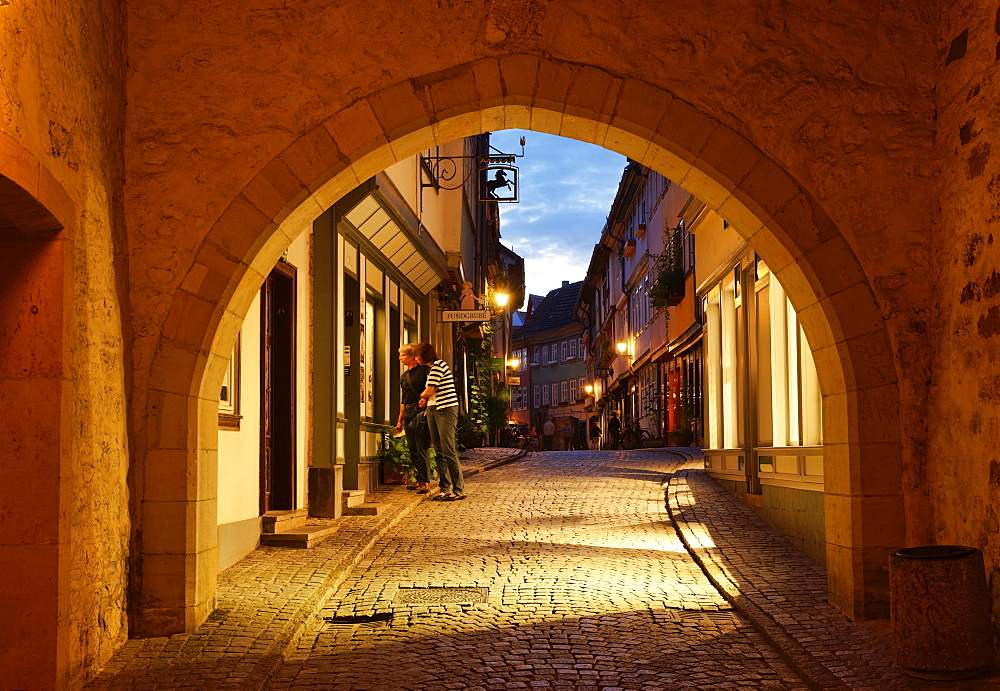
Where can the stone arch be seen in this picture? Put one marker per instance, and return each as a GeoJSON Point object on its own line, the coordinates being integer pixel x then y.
{"type": "Point", "coordinates": [37, 218]}
{"type": "Point", "coordinates": [779, 218]}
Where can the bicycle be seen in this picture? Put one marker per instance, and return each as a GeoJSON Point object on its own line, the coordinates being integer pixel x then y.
{"type": "Point", "coordinates": [633, 436]}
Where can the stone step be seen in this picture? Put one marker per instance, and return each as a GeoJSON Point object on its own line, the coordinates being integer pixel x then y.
{"type": "Point", "coordinates": [302, 538]}
{"type": "Point", "coordinates": [353, 497]}
{"type": "Point", "coordinates": [364, 510]}
{"type": "Point", "coordinates": [281, 521]}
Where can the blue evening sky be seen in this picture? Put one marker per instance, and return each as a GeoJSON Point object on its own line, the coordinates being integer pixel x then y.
{"type": "Point", "coordinates": [566, 190]}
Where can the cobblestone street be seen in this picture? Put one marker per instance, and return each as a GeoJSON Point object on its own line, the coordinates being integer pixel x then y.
{"type": "Point", "coordinates": [583, 582]}
{"type": "Point", "coordinates": [561, 569]}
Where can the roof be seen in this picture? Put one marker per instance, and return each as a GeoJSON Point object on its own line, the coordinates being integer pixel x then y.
{"type": "Point", "coordinates": [555, 311]}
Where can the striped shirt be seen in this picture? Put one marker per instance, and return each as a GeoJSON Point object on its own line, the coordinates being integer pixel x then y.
{"type": "Point", "coordinates": [441, 379]}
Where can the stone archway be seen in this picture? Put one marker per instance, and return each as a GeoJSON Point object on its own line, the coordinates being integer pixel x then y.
{"type": "Point", "coordinates": [779, 218]}
{"type": "Point", "coordinates": [37, 218]}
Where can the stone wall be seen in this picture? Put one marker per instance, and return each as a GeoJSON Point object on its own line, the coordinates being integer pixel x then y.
{"type": "Point", "coordinates": [963, 465]}
{"type": "Point", "coordinates": [840, 99]}
{"type": "Point", "coordinates": [62, 77]}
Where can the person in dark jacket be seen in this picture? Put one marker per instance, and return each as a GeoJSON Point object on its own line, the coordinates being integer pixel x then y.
{"type": "Point", "coordinates": [412, 382]}
{"type": "Point", "coordinates": [615, 431]}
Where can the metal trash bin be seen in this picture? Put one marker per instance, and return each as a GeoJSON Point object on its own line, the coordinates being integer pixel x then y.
{"type": "Point", "coordinates": [940, 610]}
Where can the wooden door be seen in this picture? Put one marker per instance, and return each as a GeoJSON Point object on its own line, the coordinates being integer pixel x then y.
{"type": "Point", "coordinates": [277, 447]}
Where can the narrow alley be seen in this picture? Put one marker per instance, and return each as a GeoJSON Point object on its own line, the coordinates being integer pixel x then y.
{"type": "Point", "coordinates": [561, 569]}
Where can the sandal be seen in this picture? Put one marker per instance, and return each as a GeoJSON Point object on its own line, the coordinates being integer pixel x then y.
{"type": "Point", "coordinates": [455, 497]}
{"type": "Point", "coordinates": [441, 497]}
{"type": "Point", "coordinates": [411, 485]}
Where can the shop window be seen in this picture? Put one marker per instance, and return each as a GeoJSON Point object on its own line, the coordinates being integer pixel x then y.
{"type": "Point", "coordinates": [368, 361]}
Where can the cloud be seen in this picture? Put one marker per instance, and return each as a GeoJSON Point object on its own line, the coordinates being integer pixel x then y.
{"type": "Point", "coordinates": [566, 190]}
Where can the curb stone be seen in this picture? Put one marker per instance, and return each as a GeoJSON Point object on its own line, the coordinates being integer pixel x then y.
{"type": "Point", "coordinates": [763, 603]}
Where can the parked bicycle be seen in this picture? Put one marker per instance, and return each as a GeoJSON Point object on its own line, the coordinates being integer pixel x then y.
{"type": "Point", "coordinates": [633, 435]}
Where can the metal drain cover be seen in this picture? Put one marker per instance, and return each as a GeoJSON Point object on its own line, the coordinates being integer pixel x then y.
{"type": "Point", "coordinates": [711, 617]}
{"type": "Point", "coordinates": [440, 596]}
{"type": "Point", "coordinates": [370, 621]}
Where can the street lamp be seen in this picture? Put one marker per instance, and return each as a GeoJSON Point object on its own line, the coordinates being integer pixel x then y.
{"type": "Point", "coordinates": [513, 363]}
{"type": "Point", "coordinates": [500, 299]}
{"type": "Point", "coordinates": [589, 388]}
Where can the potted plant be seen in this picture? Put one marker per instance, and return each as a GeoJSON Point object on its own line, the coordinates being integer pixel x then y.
{"type": "Point", "coordinates": [394, 460]}
{"type": "Point", "coordinates": [668, 288]}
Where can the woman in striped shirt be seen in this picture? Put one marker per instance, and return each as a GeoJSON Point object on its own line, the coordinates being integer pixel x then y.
{"type": "Point", "coordinates": [441, 401]}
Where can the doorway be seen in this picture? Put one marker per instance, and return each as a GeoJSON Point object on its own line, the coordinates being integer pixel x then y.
{"type": "Point", "coordinates": [277, 444]}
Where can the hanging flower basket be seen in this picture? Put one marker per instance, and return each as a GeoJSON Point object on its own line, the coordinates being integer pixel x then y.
{"type": "Point", "coordinates": [668, 288]}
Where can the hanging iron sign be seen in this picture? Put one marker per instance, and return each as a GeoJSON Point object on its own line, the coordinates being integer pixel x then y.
{"type": "Point", "coordinates": [498, 180]}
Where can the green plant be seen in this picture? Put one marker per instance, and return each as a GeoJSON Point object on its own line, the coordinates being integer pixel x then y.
{"type": "Point", "coordinates": [496, 412]}
{"type": "Point", "coordinates": [469, 434]}
{"type": "Point", "coordinates": [668, 288]}
{"type": "Point", "coordinates": [479, 353]}
{"type": "Point", "coordinates": [394, 454]}
{"type": "Point", "coordinates": [605, 355]}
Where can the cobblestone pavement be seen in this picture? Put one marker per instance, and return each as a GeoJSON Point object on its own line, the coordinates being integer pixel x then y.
{"type": "Point", "coordinates": [559, 571]}
{"type": "Point", "coordinates": [562, 569]}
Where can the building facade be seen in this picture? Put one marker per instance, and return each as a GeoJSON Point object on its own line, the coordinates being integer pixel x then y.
{"type": "Point", "coordinates": [551, 369]}
{"type": "Point", "coordinates": [762, 403]}
{"type": "Point", "coordinates": [644, 343]}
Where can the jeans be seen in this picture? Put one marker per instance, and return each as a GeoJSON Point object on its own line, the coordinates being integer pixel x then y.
{"type": "Point", "coordinates": [419, 446]}
{"type": "Point", "coordinates": [442, 425]}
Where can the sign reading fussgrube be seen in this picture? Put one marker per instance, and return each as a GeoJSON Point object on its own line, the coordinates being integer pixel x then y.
{"type": "Point", "coordinates": [466, 315]}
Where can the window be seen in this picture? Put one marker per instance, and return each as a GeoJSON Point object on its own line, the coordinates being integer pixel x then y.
{"type": "Point", "coordinates": [537, 395]}
{"type": "Point", "coordinates": [545, 355]}
{"type": "Point", "coordinates": [534, 359]}
{"type": "Point", "coordinates": [555, 393]}
{"type": "Point", "coordinates": [572, 348]}
{"type": "Point", "coordinates": [545, 394]}
{"type": "Point", "coordinates": [564, 392]}
{"type": "Point", "coordinates": [573, 391]}
{"type": "Point", "coordinates": [564, 351]}
{"type": "Point", "coordinates": [229, 396]}
{"type": "Point", "coordinates": [583, 385]}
